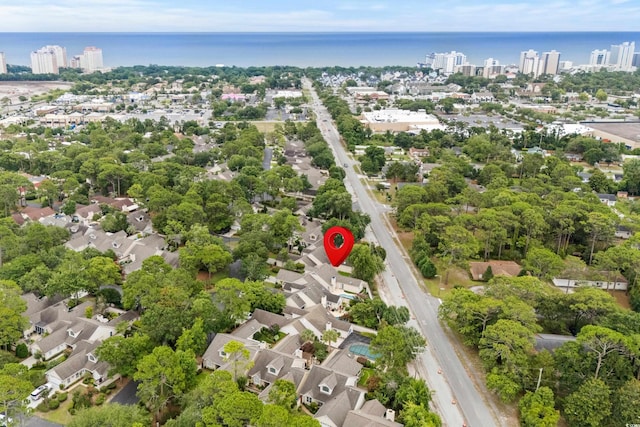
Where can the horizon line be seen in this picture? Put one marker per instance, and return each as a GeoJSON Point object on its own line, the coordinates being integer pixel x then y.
{"type": "Point", "coordinates": [322, 32]}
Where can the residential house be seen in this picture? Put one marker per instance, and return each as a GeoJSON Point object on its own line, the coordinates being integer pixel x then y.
{"type": "Point", "coordinates": [607, 199]}
{"type": "Point", "coordinates": [616, 283]}
{"type": "Point", "coordinates": [84, 214]}
{"type": "Point", "coordinates": [83, 360]}
{"type": "Point", "coordinates": [216, 358]}
{"type": "Point", "coordinates": [418, 153]}
{"type": "Point", "coordinates": [498, 268]}
{"type": "Point", "coordinates": [623, 232]}
{"type": "Point", "coordinates": [550, 342]}
{"type": "Point", "coordinates": [336, 392]}
{"type": "Point", "coordinates": [31, 213]}
{"type": "Point", "coordinates": [372, 414]}
{"type": "Point", "coordinates": [69, 333]}
{"type": "Point", "coordinates": [270, 365]}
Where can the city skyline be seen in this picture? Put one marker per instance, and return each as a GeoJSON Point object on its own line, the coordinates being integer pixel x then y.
{"type": "Point", "coordinates": [331, 15]}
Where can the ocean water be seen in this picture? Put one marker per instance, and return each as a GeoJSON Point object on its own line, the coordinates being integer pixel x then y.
{"type": "Point", "coordinates": [309, 49]}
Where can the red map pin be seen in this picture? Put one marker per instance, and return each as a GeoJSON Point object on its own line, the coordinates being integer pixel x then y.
{"type": "Point", "coordinates": [336, 254]}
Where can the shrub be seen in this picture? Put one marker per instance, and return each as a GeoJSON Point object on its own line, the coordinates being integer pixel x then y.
{"type": "Point", "coordinates": [43, 407]}
{"type": "Point", "coordinates": [112, 386]}
{"type": "Point", "coordinates": [88, 312]}
{"type": "Point", "coordinates": [62, 397]}
{"type": "Point", "coordinates": [54, 404]}
{"type": "Point", "coordinates": [22, 351]}
{"type": "Point", "coordinates": [100, 399]}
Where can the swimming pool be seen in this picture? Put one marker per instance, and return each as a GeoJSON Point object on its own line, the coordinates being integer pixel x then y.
{"type": "Point", "coordinates": [363, 350]}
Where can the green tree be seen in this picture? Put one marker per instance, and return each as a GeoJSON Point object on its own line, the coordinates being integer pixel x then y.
{"type": "Point", "coordinates": [396, 346]}
{"type": "Point", "coordinates": [601, 227]}
{"type": "Point", "coordinates": [103, 271]}
{"type": "Point", "coordinates": [14, 388]}
{"type": "Point", "coordinates": [239, 356]}
{"type": "Point", "coordinates": [123, 353]}
{"type": "Point", "coordinates": [537, 409]}
{"type": "Point", "coordinates": [590, 405]}
{"type": "Point", "coordinates": [237, 409]}
{"type": "Point", "coordinates": [366, 264]}
{"type": "Point", "coordinates": [601, 95]}
{"type": "Point", "coordinates": [543, 263]}
{"type": "Point", "coordinates": [283, 393]}
{"type": "Point", "coordinates": [194, 338]}
{"type": "Point", "coordinates": [12, 323]}
{"type": "Point", "coordinates": [417, 415]}
{"type": "Point", "coordinates": [111, 415]}
{"type": "Point", "coordinates": [602, 342]}
{"type": "Point", "coordinates": [506, 345]}
{"type": "Point", "coordinates": [625, 405]}
{"type": "Point", "coordinates": [164, 375]}
{"type": "Point", "coordinates": [329, 336]}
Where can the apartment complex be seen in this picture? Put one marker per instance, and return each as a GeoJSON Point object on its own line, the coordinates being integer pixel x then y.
{"type": "Point", "coordinates": [45, 60]}
{"type": "Point", "coordinates": [532, 63]}
{"type": "Point", "coordinates": [621, 57]}
{"type": "Point", "coordinates": [3, 63]}
{"type": "Point", "coordinates": [446, 62]}
{"type": "Point", "coordinates": [89, 61]}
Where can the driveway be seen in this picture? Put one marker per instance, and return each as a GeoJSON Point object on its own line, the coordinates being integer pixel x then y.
{"type": "Point", "coordinates": [127, 395]}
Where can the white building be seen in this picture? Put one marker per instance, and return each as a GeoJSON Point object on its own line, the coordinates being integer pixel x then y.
{"type": "Point", "coordinates": [446, 62]}
{"type": "Point", "coordinates": [91, 59]}
{"type": "Point", "coordinates": [3, 63]}
{"type": "Point", "coordinates": [44, 61]}
{"type": "Point", "coordinates": [60, 53]}
{"type": "Point", "coordinates": [622, 56]}
{"type": "Point", "coordinates": [599, 57]}
{"type": "Point", "coordinates": [551, 62]}
{"type": "Point", "coordinates": [530, 62]}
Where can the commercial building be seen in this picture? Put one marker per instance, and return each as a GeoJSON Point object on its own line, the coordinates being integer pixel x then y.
{"type": "Point", "coordinates": [3, 63]}
{"type": "Point", "coordinates": [44, 61]}
{"type": "Point", "coordinates": [622, 56]}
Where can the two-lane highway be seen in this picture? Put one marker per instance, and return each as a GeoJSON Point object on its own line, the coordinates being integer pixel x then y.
{"type": "Point", "coordinates": [456, 397]}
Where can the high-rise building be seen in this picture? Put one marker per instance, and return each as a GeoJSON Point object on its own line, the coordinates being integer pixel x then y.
{"type": "Point", "coordinates": [622, 56]}
{"type": "Point", "coordinates": [446, 62]}
{"type": "Point", "coordinates": [491, 67]}
{"type": "Point", "coordinates": [91, 59]}
{"type": "Point", "coordinates": [550, 62]}
{"type": "Point", "coordinates": [636, 59]}
{"type": "Point", "coordinates": [3, 63]}
{"type": "Point", "coordinates": [61, 54]}
{"type": "Point", "coordinates": [44, 61]}
{"type": "Point", "coordinates": [599, 57]}
{"type": "Point", "coordinates": [530, 62]}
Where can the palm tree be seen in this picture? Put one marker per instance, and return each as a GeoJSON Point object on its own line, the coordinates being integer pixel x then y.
{"type": "Point", "coordinates": [307, 336]}
{"type": "Point", "coordinates": [329, 336]}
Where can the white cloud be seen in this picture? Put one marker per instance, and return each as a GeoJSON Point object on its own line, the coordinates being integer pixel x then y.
{"type": "Point", "coordinates": [445, 15]}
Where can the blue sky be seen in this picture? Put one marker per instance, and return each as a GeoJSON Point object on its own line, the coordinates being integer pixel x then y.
{"type": "Point", "coordinates": [319, 15]}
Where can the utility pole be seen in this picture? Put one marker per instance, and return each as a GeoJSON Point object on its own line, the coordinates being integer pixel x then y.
{"type": "Point", "coordinates": [539, 379]}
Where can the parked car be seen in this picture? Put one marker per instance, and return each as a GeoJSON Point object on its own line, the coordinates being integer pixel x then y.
{"type": "Point", "coordinates": [39, 392]}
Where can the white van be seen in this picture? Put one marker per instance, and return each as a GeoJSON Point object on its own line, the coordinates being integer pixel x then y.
{"type": "Point", "coordinates": [39, 392]}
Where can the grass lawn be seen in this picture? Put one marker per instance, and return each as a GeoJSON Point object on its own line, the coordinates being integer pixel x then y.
{"type": "Point", "coordinates": [364, 376]}
{"type": "Point", "coordinates": [60, 415]}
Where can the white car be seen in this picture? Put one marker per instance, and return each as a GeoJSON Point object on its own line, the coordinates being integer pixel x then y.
{"type": "Point", "coordinates": [4, 420]}
{"type": "Point", "coordinates": [39, 392]}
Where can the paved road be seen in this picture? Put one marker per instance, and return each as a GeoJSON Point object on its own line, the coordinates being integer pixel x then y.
{"type": "Point", "coordinates": [127, 395]}
{"type": "Point", "coordinates": [456, 397]}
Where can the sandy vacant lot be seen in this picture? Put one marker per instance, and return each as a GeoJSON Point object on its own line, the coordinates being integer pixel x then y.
{"type": "Point", "coordinates": [14, 90]}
